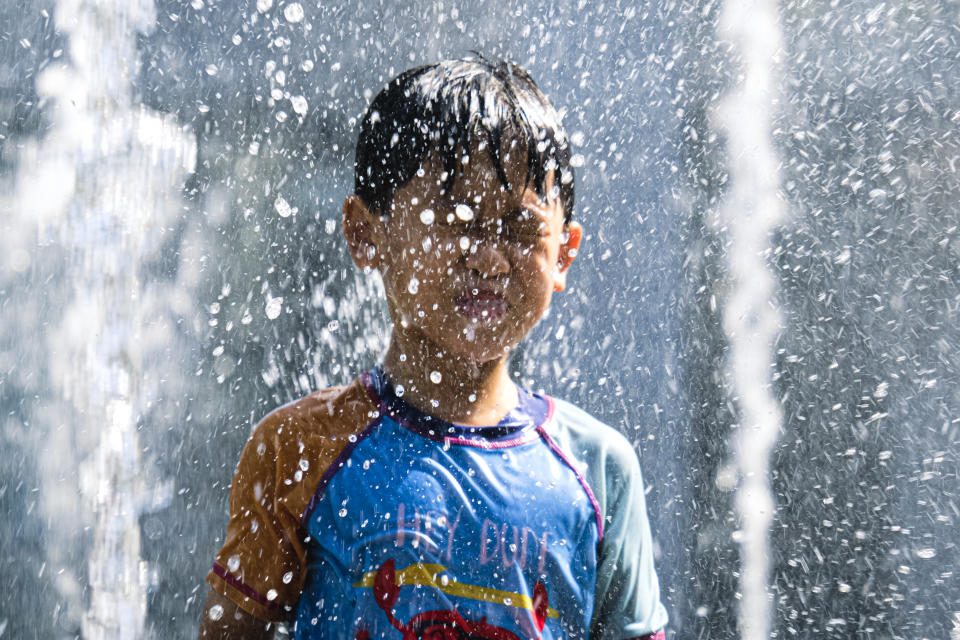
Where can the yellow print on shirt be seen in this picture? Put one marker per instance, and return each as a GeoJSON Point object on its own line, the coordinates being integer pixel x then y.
{"type": "Point", "coordinates": [431, 575]}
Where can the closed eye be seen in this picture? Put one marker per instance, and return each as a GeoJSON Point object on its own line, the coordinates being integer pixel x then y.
{"type": "Point", "coordinates": [525, 224]}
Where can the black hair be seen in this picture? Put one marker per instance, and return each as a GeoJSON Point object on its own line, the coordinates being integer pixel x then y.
{"type": "Point", "coordinates": [446, 106]}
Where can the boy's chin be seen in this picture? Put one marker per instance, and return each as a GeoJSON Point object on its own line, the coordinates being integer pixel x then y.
{"type": "Point", "coordinates": [477, 354]}
{"type": "Point", "coordinates": [478, 347]}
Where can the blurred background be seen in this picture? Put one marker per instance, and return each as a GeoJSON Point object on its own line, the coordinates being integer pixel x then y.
{"type": "Point", "coordinates": [171, 269]}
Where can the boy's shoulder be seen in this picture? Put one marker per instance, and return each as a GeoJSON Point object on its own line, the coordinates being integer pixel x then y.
{"type": "Point", "coordinates": [607, 459]}
{"type": "Point", "coordinates": [590, 435]}
{"type": "Point", "coordinates": [302, 439]}
{"type": "Point", "coordinates": [326, 414]}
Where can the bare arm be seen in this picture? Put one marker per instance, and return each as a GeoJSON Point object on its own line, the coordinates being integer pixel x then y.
{"type": "Point", "coordinates": [223, 620]}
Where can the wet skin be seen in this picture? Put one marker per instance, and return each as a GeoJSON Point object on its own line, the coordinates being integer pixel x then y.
{"type": "Point", "coordinates": [484, 271]}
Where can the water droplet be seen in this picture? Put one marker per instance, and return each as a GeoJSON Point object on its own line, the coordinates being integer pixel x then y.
{"type": "Point", "coordinates": [427, 216]}
{"type": "Point", "coordinates": [233, 563]}
{"type": "Point", "coordinates": [272, 595]}
{"type": "Point", "coordinates": [464, 243]}
{"type": "Point", "coordinates": [435, 377]}
{"type": "Point", "coordinates": [212, 70]}
{"type": "Point", "coordinates": [215, 612]}
{"type": "Point", "coordinates": [264, 5]}
{"type": "Point", "coordinates": [399, 390]}
{"type": "Point", "coordinates": [281, 116]}
{"type": "Point", "coordinates": [236, 39]}
{"type": "Point", "coordinates": [304, 464]}
{"type": "Point", "coordinates": [333, 325]}
{"type": "Point", "coordinates": [299, 105]}
{"type": "Point", "coordinates": [293, 12]}
{"type": "Point", "coordinates": [352, 437]}
{"type": "Point", "coordinates": [444, 580]}
{"type": "Point", "coordinates": [413, 286]}
{"type": "Point", "coordinates": [274, 307]}
{"type": "Point", "coordinates": [261, 449]}
{"type": "Point", "coordinates": [282, 206]}
{"type": "Point", "coordinates": [288, 577]}
{"type": "Point", "coordinates": [427, 243]}
{"type": "Point", "coordinates": [307, 65]}
{"type": "Point", "coordinates": [463, 212]}
{"type": "Point", "coordinates": [472, 397]}
{"type": "Point", "coordinates": [926, 554]}
{"type": "Point", "coordinates": [343, 512]}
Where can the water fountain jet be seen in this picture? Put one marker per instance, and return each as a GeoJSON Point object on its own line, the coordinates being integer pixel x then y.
{"type": "Point", "coordinates": [101, 185]}
{"type": "Point", "coordinates": [750, 212]}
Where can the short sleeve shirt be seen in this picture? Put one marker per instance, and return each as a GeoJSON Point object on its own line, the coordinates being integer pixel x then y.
{"type": "Point", "coordinates": [361, 517]}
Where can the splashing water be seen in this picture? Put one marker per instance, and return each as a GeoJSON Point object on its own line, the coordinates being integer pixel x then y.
{"type": "Point", "coordinates": [100, 186]}
{"type": "Point", "coordinates": [751, 211]}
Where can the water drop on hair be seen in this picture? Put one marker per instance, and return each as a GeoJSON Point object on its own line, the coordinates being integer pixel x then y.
{"type": "Point", "coordinates": [427, 216]}
{"type": "Point", "coordinates": [435, 377]}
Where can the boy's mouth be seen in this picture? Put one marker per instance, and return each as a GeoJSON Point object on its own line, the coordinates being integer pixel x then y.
{"type": "Point", "coordinates": [481, 304]}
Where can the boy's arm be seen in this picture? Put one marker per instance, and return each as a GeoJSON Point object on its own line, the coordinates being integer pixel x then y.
{"type": "Point", "coordinates": [259, 569]}
{"type": "Point", "coordinates": [223, 620]}
{"type": "Point", "coordinates": [627, 601]}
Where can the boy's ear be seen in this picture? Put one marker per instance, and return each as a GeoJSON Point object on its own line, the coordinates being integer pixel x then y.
{"type": "Point", "coordinates": [568, 251]}
{"type": "Point", "coordinates": [360, 230]}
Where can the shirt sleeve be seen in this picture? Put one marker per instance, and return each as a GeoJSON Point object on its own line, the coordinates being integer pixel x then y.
{"type": "Point", "coordinates": [627, 598]}
{"type": "Point", "coordinates": [261, 564]}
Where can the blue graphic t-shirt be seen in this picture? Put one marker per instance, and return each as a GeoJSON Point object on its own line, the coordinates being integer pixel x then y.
{"type": "Point", "coordinates": [395, 524]}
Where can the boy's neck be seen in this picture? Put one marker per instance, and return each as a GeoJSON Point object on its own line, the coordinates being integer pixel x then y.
{"type": "Point", "coordinates": [468, 393]}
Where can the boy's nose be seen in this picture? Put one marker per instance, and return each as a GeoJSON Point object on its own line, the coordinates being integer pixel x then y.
{"type": "Point", "coordinates": [487, 258]}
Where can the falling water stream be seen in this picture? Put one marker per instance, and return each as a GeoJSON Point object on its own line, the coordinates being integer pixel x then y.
{"type": "Point", "coordinates": [750, 213]}
{"type": "Point", "coordinates": [106, 183]}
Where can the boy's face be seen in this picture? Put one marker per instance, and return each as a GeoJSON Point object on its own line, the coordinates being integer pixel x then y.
{"type": "Point", "coordinates": [472, 270]}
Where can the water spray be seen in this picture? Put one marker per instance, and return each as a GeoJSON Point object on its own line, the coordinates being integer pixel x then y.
{"type": "Point", "coordinates": [751, 211]}
{"type": "Point", "coordinates": [102, 184]}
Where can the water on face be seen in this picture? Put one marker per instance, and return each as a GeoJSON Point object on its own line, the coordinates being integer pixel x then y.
{"type": "Point", "coordinates": [157, 299]}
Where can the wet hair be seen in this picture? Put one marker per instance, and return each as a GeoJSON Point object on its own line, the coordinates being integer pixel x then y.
{"type": "Point", "coordinates": [445, 108]}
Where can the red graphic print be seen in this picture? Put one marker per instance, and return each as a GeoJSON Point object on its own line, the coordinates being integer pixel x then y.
{"type": "Point", "coordinates": [447, 625]}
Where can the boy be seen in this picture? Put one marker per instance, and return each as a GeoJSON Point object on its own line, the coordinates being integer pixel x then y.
{"type": "Point", "coordinates": [432, 497]}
